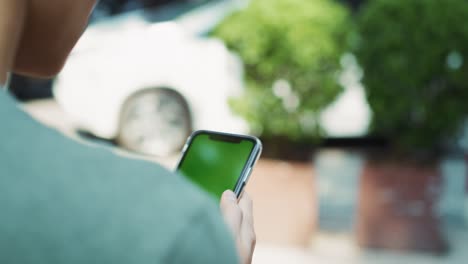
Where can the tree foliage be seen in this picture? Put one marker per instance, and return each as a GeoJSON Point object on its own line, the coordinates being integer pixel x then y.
{"type": "Point", "coordinates": [291, 50]}
{"type": "Point", "coordinates": [414, 54]}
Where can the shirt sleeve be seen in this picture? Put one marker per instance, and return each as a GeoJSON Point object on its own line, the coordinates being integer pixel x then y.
{"type": "Point", "coordinates": [204, 240]}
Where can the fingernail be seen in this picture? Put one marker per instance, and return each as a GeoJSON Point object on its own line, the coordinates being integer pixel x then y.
{"type": "Point", "coordinates": [231, 196]}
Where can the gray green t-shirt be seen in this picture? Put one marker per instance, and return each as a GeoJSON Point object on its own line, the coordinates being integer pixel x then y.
{"type": "Point", "coordinates": [64, 202]}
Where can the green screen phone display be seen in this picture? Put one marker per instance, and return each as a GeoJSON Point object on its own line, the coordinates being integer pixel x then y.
{"type": "Point", "coordinates": [215, 163]}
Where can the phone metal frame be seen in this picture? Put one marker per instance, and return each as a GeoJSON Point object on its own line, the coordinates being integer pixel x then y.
{"type": "Point", "coordinates": [248, 167]}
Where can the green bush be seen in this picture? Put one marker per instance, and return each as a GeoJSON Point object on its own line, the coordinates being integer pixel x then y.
{"type": "Point", "coordinates": [291, 50]}
{"type": "Point", "coordinates": [414, 57]}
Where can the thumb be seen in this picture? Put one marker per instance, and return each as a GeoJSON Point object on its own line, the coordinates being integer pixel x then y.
{"type": "Point", "coordinates": [231, 211]}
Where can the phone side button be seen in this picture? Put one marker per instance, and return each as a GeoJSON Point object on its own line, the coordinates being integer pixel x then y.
{"type": "Point", "coordinates": [247, 174]}
{"type": "Point", "coordinates": [185, 148]}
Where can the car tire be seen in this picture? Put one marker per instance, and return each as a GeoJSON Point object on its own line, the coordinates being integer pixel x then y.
{"type": "Point", "coordinates": [154, 122]}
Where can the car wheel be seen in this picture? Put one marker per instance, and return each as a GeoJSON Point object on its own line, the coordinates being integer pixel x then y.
{"type": "Point", "coordinates": [154, 122]}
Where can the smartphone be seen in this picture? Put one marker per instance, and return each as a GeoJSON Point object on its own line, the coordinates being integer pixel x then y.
{"type": "Point", "coordinates": [219, 161]}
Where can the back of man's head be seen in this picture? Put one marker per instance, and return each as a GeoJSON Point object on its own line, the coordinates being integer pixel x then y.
{"type": "Point", "coordinates": [36, 36]}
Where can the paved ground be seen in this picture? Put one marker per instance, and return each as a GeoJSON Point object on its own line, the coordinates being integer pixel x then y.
{"type": "Point", "coordinates": [340, 248]}
{"type": "Point", "coordinates": [305, 213]}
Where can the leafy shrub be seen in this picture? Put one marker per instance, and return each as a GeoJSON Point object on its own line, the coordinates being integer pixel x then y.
{"type": "Point", "coordinates": [291, 50]}
{"type": "Point", "coordinates": [414, 57]}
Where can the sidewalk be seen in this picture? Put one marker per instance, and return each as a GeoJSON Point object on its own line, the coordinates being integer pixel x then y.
{"type": "Point", "coordinates": [340, 249]}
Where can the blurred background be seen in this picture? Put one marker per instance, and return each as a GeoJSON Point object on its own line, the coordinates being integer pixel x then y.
{"type": "Point", "coordinates": [362, 107]}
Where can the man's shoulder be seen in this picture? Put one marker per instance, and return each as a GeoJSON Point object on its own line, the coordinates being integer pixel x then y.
{"type": "Point", "coordinates": [135, 211]}
{"type": "Point", "coordinates": [60, 190]}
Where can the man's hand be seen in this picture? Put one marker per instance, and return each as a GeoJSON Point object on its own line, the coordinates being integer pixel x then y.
{"type": "Point", "coordinates": [239, 217]}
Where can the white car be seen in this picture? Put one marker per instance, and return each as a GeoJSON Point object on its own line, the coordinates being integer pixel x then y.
{"type": "Point", "coordinates": [148, 85]}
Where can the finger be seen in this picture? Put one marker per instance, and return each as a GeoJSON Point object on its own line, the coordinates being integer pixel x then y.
{"type": "Point", "coordinates": [248, 237]}
{"type": "Point", "coordinates": [231, 211]}
{"type": "Point", "coordinates": [247, 226]}
{"type": "Point", "coordinates": [246, 206]}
